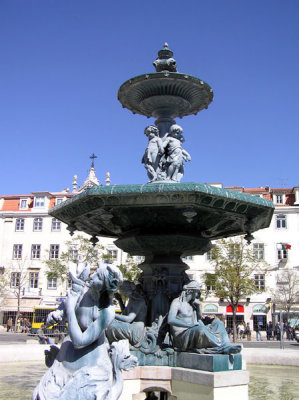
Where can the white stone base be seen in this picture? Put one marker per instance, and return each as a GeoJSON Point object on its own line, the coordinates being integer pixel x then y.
{"type": "Point", "coordinates": [185, 384]}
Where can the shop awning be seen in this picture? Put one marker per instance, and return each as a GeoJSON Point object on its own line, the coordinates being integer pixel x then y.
{"type": "Point", "coordinates": [239, 310]}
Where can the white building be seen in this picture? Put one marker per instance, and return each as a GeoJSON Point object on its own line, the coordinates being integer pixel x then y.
{"type": "Point", "coordinates": [29, 236]}
{"type": "Point", "coordinates": [277, 245]}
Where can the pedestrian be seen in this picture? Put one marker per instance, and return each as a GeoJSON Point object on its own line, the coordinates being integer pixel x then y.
{"type": "Point", "coordinates": [247, 331]}
{"type": "Point", "coordinates": [43, 339]}
{"type": "Point", "coordinates": [9, 324]}
{"type": "Point", "coordinates": [19, 325]}
{"type": "Point", "coordinates": [269, 330]}
{"type": "Point", "coordinates": [277, 331]}
{"type": "Point", "coordinates": [258, 332]}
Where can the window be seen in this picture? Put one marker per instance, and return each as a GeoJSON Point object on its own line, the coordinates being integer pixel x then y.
{"type": "Point", "coordinates": [259, 281]}
{"type": "Point", "coordinates": [210, 281]}
{"type": "Point", "coordinates": [234, 251]}
{"type": "Point", "coordinates": [17, 251]}
{"type": "Point", "coordinates": [58, 201]}
{"type": "Point", "coordinates": [260, 320]}
{"type": "Point", "coordinates": [282, 254]}
{"type": "Point", "coordinates": [15, 279]}
{"type": "Point", "coordinates": [279, 198]}
{"type": "Point", "coordinates": [112, 253]}
{"type": "Point", "coordinates": [73, 254]}
{"type": "Point", "coordinates": [56, 225]}
{"type": "Point", "coordinates": [33, 280]}
{"type": "Point", "coordinates": [188, 258]}
{"type": "Point", "coordinates": [281, 221]}
{"type": "Point", "coordinates": [35, 251]}
{"type": "Point", "coordinates": [23, 204]}
{"type": "Point", "coordinates": [52, 283]}
{"type": "Point", "coordinates": [37, 224]}
{"type": "Point", "coordinates": [258, 251]}
{"type": "Point", "coordinates": [54, 251]}
{"type": "Point", "coordinates": [39, 201]}
{"type": "Point", "coordinates": [210, 255]}
{"type": "Point", "coordinates": [20, 224]}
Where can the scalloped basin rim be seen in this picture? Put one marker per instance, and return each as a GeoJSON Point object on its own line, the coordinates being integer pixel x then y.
{"type": "Point", "coordinates": [160, 188]}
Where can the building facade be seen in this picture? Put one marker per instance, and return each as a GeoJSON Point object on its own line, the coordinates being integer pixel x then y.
{"type": "Point", "coordinates": [277, 245]}
{"type": "Point", "coordinates": [29, 236]}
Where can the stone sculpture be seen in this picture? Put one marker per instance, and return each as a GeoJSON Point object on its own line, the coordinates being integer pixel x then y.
{"type": "Point", "coordinates": [153, 152]}
{"type": "Point", "coordinates": [188, 331]}
{"type": "Point", "coordinates": [164, 158]}
{"type": "Point", "coordinates": [85, 367]}
{"type": "Point", "coordinates": [130, 324]}
{"type": "Point", "coordinates": [175, 154]}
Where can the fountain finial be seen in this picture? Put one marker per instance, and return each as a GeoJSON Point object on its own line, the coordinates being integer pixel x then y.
{"type": "Point", "coordinates": [165, 60]}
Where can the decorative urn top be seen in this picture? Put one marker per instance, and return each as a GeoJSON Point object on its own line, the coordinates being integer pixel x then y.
{"type": "Point", "coordinates": [165, 61]}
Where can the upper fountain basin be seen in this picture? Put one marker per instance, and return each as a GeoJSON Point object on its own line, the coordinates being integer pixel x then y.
{"type": "Point", "coordinates": [165, 93]}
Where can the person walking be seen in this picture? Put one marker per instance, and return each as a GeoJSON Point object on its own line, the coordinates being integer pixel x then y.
{"type": "Point", "coordinates": [258, 332]}
{"type": "Point", "coordinates": [277, 331]}
{"type": "Point", "coordinates": [247, 331]}
{"type": "Point", "coordinates": [269, 330]}
{"type": "Point", "coordinates": [9, 324]}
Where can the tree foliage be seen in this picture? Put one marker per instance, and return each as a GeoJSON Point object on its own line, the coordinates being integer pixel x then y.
{"type": "Point", "coordinates": [233, 280]}
{"type": "Point", "coordinates": [130, 269]}
{"type": "Point", "coordinates": [81, 249]}
{"type": "Point", "coordinates": [20, 268]}
{"type": "Point", "coordinates": [78, 249]}
{"type": "Point", "coordinates": [286, 293]}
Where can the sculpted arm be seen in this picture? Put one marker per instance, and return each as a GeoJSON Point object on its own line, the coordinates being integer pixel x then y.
{"type": "Point", "coordinates": [126, 318]}
{"type": "Point", "coordinates": [186, 155]}
{"type": "Point", "coordinates": [197, 307]}
{"type": "Point", "coordinates": [160, 146]}
{"type": "Point", "coordinates": [56, 316]}
{"type": "Point", "coordinates": [96, 328]}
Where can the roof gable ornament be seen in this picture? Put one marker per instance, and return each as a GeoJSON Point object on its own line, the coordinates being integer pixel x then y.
{"type": "Point", "coordinates": [91, 180]}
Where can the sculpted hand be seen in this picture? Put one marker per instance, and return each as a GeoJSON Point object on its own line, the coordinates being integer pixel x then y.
{"type": "Point", "coordinates": [71, 299]}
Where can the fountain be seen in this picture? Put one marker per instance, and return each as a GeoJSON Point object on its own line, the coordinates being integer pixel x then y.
{"type": "Point", "coordinates": [165, 220]}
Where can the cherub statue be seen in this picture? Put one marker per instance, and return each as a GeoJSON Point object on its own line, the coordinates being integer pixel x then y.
{"type": "Point", "coordinates": [153, 152]}
{"type": "Point", "coordinates": [175, 154]}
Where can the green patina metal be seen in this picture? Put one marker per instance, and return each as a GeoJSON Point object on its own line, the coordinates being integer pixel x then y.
{"type": "Point", "coordinates": [151, 211]}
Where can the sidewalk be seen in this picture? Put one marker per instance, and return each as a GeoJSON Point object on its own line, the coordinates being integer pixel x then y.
{"type": "Point", "coordinates": [263, 356]}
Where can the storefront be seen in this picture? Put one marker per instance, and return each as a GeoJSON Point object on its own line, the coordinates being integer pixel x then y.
{"type": "Point", "coordinates": [259, 313]}
{"type": "Point", "coordinates": [239, 316]}
{"type": "Point", "coordinates": [9, 309]}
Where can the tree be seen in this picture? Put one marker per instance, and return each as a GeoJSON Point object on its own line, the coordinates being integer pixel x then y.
{"type": "Point", "coordinates": [81, 249]}
{"type": "Point", "coordinates": [234, 263]}
{"type": "Point", "coordinates": [17, 275]}
{"type": "Point", "coordinates": [4, 285]}
{"type": "Point", "coordinates": [78, 249]}
{"type": "Point", "coordinates": [130, 269]}
{"type": "Point", "coordinates": [286, 294]}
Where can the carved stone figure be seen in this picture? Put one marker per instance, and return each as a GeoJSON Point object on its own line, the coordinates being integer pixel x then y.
{"type": "Point", "coordinates": [175, 154]}
{"type": "Point", "coordinates": [153, 152]}
{"type": "Point", "coordinates": [85, 368]}
{"type": "Point", "coordinates": [130, 324]}
{"type": "Point", "coordinates": [187, 329]}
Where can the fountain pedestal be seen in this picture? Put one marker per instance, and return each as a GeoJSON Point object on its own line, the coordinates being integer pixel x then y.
{"type": "Point", "coordinates": [185, 384]}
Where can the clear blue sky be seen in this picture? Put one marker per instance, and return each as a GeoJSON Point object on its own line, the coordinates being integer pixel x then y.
{"type": "Point", "coordinates": [62, 62]}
